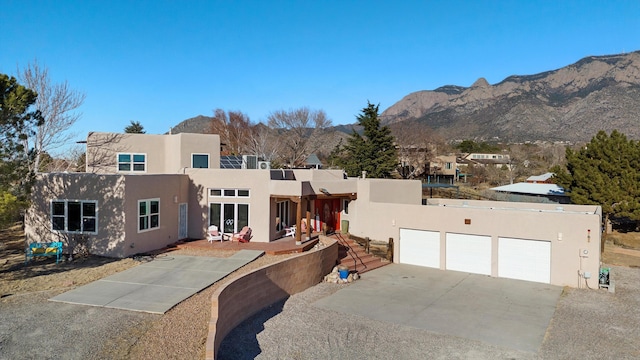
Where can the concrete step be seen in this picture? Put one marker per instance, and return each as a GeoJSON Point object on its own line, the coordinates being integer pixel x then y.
{"type": "Point", "coordinates": [363, 265]}
{"type": "Point", "coordinates": [354, 256]}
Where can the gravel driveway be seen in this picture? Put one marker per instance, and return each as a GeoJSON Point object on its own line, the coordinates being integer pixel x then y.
{"type": "Point", "coordinates": [587, 324]}
{"type": "Point", "coordinates": [31, 327]}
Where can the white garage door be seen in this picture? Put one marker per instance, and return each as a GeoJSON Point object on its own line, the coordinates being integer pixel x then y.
{"type": "Point", "coordinates": [524, 259]}
{"type": "Point", "coordinates": [469, 253]}
{"type": "Point", "coordinates": [420, 247]}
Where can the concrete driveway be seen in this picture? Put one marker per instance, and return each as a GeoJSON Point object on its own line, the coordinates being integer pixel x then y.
{"type": "Point", "coordinates": [157, 286]}
{"type": "Point", "coordinates": [510, 313]}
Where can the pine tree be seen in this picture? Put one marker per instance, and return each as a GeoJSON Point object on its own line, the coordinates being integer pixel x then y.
{"type": "Point", "coordinates": [17, 122]}
{"type": "Point", "coordinates": [605, 172]}
{"type": "Point", "coordinates": [373, 152]}
{"type": "Point", "coordinates": [134, 128]}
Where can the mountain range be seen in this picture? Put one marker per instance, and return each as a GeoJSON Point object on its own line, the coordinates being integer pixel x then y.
{"type": "Point", "coordinates": [568, 104]}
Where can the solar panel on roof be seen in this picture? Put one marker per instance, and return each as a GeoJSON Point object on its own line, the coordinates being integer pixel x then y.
{"type": "Point", "coordinates": [230, 162]}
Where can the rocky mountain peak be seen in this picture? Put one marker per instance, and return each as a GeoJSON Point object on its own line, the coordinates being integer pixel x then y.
{"type": "Point", "coordinates": [480, 83]}
{"type": "Point", "coordinates": [568, 104]}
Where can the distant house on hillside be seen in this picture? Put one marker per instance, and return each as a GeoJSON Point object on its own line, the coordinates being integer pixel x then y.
{"type": "Point", "coordinates": [312, 162]}
{"type": "Point", "coordinates": [497, 160]}
{"type": "Point", "coordinates": [443, 169]}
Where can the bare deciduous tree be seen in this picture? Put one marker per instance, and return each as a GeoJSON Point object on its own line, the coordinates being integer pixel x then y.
{"type": "Point", "coordinates": [297, 128]}
{"type": "Point", "coordinates": [417, 146]}
{"type": "Point", "coordinates": [264, 143]}
{"type": "Point", "coordinates": [57, 103]}
{"type": "Point", "coordinates": [234, 129]}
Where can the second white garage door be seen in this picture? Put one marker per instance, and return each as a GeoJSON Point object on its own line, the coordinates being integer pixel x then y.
{"type": "Point", "coordinates": [524, 259]}
{"type": "Point", "coordinates": [469, 253]}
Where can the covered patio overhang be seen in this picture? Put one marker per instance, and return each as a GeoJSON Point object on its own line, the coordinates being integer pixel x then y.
{"type": "Point", "coordinates": [303, 208]}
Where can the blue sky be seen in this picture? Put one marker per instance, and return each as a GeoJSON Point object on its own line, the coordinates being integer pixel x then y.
{"type": "Point", "coordinates": [160, 62]}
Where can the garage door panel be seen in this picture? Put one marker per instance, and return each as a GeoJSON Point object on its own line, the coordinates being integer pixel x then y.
{"type": "Point", "coordinates": [468, 253]}
{"type": "Point", "coordinates": [420, 247]}
{"type": "Point", "coordinates": [524, 259]}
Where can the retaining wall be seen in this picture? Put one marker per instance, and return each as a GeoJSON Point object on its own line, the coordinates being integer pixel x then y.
{"type": "Point", "coordinates": [245, 295]}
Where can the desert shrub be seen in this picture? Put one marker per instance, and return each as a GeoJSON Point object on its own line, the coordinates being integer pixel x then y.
{"type": "Point", "coordinates": [9, 209]}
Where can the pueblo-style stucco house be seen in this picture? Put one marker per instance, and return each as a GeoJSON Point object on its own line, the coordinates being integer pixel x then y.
{"type": "Point", "coordinates": [143, 192]}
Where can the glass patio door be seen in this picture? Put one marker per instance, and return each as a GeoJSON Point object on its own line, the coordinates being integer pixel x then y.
{"type": "Point", "coordinates": [229, 217]}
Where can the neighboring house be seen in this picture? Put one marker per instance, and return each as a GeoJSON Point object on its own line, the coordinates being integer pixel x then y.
{"type": "Point", "coordinates": [443, 169]}
{"type": "Point", "coordinates": [312, 162]}
{"type": "Point", "coordinates": [497, 160]}
{"type": "Point", "coordinates": [143, 192]}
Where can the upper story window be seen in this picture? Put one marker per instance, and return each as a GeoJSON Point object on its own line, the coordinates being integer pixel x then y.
{"type": "Point", "coordinates": [229, 193]}
{"type": "Point", "coordinates": [74, 216]}
{"type": "Point", "coordinates": [132, 162]}
{"type": "Point", "coordinates": [448, 165]}
{"type": "Point", "coordinates": [200, 161]}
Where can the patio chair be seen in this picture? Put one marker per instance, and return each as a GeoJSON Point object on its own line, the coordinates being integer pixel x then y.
{"type": "Point", "coordinates": [213, 234]}
{"type": "Point", "coordinates": [243, 236]}
{"type": "Point", "coordinates": [290, 231]}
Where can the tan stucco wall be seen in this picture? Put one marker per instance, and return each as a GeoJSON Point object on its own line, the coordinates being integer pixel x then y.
{"type": "Point", "coordinates": [107, 190]}
{"type": "Point", "coordinates": [171, 190]}
{"type": "Point", "coordinates": [241, 297]}
{"type": "Point", "coordinates": [257, 181]}
{"type": "Point", "coordinates": [566, 229]}
{"type": "Point", "coordinates": [165, 154]}
{"type": "Point", "coordinates": [117, 206]}
{"type": "Point", "coordinates": [394, 191]}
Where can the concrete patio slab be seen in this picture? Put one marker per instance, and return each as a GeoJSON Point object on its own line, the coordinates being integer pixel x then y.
{"type": "Point", "coordinates": [509, 313]}
{"type": "Point", "coordinates": [158, 285]}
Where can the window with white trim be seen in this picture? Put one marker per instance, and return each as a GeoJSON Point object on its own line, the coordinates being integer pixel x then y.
{"type": "Point", "coordinates": [229, 217]}
{"type": "Point", "coordinates": [148, 214]}
{"type": "Point", "coordinates": [129, 162]}
{"type": "Point", "coordinates": [200, 161]}
{"type": "Point", "coordinates": [231, 193]}
{"type": "Point", "coordinates": [74, 216]}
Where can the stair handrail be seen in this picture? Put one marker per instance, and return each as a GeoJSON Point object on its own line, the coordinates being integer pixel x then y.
{"type": "Point", "coordinates": [344, 243]}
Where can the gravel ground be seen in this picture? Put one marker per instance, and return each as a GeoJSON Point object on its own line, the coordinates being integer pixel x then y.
{"type": "Point", "coordinates": [587, 324]}
{"type": "Point", "coordinates": [31, 327]}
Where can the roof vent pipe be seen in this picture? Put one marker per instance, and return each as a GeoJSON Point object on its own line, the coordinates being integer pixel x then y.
{"type": "Point", "coordinates": [364, 174]}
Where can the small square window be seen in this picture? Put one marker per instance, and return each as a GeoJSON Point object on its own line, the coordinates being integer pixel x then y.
{"type": "Point", "coordinates": [200, 161]}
